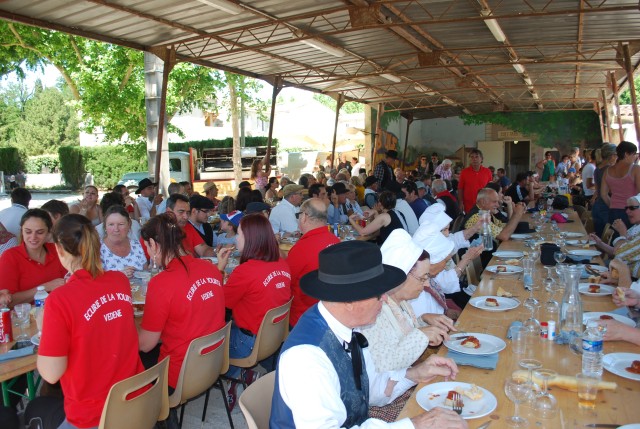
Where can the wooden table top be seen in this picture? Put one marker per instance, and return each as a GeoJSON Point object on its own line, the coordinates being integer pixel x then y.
{"type": "Point", "coordinates": [620, 406]}
{"type": "Point", "coordinates": [15, 367]}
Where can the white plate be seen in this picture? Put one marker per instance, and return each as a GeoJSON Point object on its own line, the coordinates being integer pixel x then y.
{"type": "Point", "coordinates": [35, 340]}
{"type": "Point", "coordinates": [573, 234]}
{"type": "Point", "coordinates": [630, 426]}
{"type": "Point", "coordinates": [617, 362]}
{"type": "Point", "coordinates": [488, 344]}
{"type": "Point", "coordinates": [433, 395]}
{"type": "Point", "coordinates": [598, 268]}
{"type": "Point", "coordinates": [504, 303]}
{"type": "Point", "coordinates": [620, 318]}
{"type": "Point", "coordinates": [520, 236]}
{"type": "Point", "coordinates": [511, 269]}
{"type": "Point", "coordinates": [580, 242]}
{"type": "Point", "coordinates": [604, 289]}
{"type": "Point", "coordinates": [508, 254]}
{"type": "Point", "coordinates": [584, 253]}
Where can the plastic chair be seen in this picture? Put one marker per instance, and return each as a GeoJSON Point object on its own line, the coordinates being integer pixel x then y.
{"type": "Point", "coordinates": [473, 278]}
{"type": "Point", "coordinates": [607, 234]}
{"type": "Point", "coordinates": [143, 411]}
{"type": "Point", "coordinates": [271, 334]}
{"type": "Point", "coordinates": [255, 401]}
{"type": "Point", "coordinates": [207, 357]}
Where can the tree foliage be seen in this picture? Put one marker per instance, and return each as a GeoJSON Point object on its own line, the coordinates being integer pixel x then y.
{"type": "Point", "coordinates": [625, 96]}
{"type": "Point", "coordinates": [106, 81]}
{"type": "Point", "coordinates": [561, 129]}
{"type": "Point", "coordinates": [331, 103]}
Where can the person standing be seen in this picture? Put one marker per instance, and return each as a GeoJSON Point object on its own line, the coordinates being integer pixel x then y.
{"type": "Point", "coordinates": [260, 170]}
{"type": "Point", "coordinates": [433, 164]}
{"type": "Point", "coordinates": [325, 375]}
{"type": "Point", "coordinates": [444, 170]}
{"type": "Point", "coordinates": [621, 181]}
{"type": "Point", "coordinates": [588, 183]}
{"type": "Point", "coordinates": [472, 179]}
{"type": "Point", "coordinates": [384, 170]}
{"type": "Point", "coordinates": [599, 209]}
{"type": "Point", "coordinates": [547, 166]}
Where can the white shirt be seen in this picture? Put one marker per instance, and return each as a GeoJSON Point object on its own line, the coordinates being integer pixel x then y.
{"type": "Point", "coordinates": [310, 387]}
{"type": "Point", "coordinates": [354, 206]}
{"type": "Point", "coordinates": [425, 303]}
{"type": "Point", "coordinates": [587, 173]}
{"type": "Point", "coordinates": [283, 217]}
{"type": "Point", "coordinates": [10, 218]}
{"type": "Point", "coordinates": [162, 207]}
{"type": "Point", "coordinates": [144, 205]}
{"type": "Point", "coordinates": [409, 215]}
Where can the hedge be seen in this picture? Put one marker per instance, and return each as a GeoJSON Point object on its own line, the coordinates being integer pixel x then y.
{"type": "Point", "coordinates": [10, 160]}
{"type": "Point", "coordinates": [72, 165]}
{"type": "Point", "coordinates": [35, 164]}
{"type": "Point", "coordinates": [199, 145]}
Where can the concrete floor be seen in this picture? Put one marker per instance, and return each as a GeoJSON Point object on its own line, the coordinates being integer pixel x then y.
{"type": "Point", "coordinates": [216, 414]}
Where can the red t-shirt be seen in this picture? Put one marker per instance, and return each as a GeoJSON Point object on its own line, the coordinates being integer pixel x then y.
{"type": "Point", "coordinates": [183, 304]}
{"type": "Point", "coordinates": [471, 182]}
{"type": "Point", "coordinates": [191, 240]}
{"type": "Point", "coordinates": [19, 272]}
{"type": "Point", "coordinates": [254, 288]}
{"type": "Point", "coordinates": [90, 321]}
{"type": "Point", "coordinates": [303, 258]}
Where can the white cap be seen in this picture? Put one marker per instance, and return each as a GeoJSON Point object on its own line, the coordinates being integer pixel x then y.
{"type": "Point", "coordinates": [434, 242]}
{"type": "Point", "coordinates": [436, 217]}
{"type": "Point", "coordinates": [400, 251]}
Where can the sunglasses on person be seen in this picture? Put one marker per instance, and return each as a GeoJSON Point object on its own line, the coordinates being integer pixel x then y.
{"type": "Point", "coordinates": [632, 208]}
{"type": "Point", "coordinates": [299, 214]}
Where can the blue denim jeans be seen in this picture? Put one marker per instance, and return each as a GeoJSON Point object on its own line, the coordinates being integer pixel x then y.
{"type": "Point", "coordinates": [600, 216]}
{"type": "Point", "coordinates": [240, 345]}
{"type": "Point", "coordinates": [66, 425]}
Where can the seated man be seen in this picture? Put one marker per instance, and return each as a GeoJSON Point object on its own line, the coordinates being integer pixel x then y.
{"type": "Point", "coordinates": [200, 210]}
{"type": "Point", "coordinates": [192, 242]}
{"type": "Point", "coordinates": [338, 212]}
{"type": "Point", "coordinates": [518, 190]}
{"type": "Point", "coordinates": [411, 196]}
{"type": "Point", "coordinates": [283, 216]}
{"type": "Point", "coordinates": [325, 375]}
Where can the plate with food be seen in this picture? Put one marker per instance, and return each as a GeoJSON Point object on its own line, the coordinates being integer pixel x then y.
{"type": "Point", "coordinates": [626, 365]}
{"type": "Point", "coordinates": [582, 243]}
{"type": "Point", "coordinates": [520, 236]}
{"type": "Point", "coordinates": [477, 401]}
{"type": "Point", "coordinates": [504, 269]}
{"type": "Point", "coordinates": [573, 234]}
{"type": "Point", "coordinates": [583, 253]}
{"type": "Point", "coordinates": [475, 344]}
{"type": "Point", "coordinates": [508, 254]}
{"type": "Point", "coordinates": [593, 272]}
{"type": "Point", "coordinates": [608, 316]}
{"type": "Point", "coordinates": [592, 289]}
{"type": "Point", "coordinates": [494, 303]}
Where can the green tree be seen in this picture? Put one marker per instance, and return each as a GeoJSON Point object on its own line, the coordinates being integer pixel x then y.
{"type": "Point", "coordinates": [12, 103]}
{"type": "Point", "coordinates": [625, 96]}
{"type": "Point", "coordinates": [348, 107]}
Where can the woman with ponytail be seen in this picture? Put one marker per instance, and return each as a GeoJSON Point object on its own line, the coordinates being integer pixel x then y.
{"type": "Point", "coordinates": [184, 301]}
{"type": "Point", "coordinates": [89, 336]}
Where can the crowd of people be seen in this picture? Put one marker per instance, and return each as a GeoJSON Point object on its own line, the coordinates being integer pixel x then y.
{"type": "Point", "coordinates": [419, 231]}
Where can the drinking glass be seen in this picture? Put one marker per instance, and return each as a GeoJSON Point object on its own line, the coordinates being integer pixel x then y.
{"type": "Point", "coordinates": [39, 316]}
{"type": "Point", "coordinates": [518, 390]}
{"type": "Point", "coordinates": [559, 256]}
{"type": "Point", "coordinates": [22, 312]}
{"type": "Point", "coordinates": [545, 404]}
{"type": "Point", "coordinates": [587, 391]}
{"type": "Point", "coordinates": [530, 365]}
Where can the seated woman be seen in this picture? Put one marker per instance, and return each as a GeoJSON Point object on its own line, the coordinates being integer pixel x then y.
{"type": "Point", "coordinates": [184, 301]}
{"type": "Point", "coordinates": [385, 218]}
{"type": "Point", "coordinates": [626, 295]}
{"type": "Point", "coordinates": [87, 347]}
{"type": "Point", "coordinates": [271, 195]}
{"type": "Point", "coordinates": [261, 282]}
{"type": "Point", "coordinates": [88, 205]}
{"type": "Point", "coordinates": [627, 247]}
{"type": "Point", "coordinates": [129, 202]}
{"type": "Point", "coordinates": [115, 199]}
{"type": "Point", "coordinates": [118, 251]}
{"type": "Point", "coordinates": [34, 262]}
{"type": "Point", "coordinates": [229, 228]}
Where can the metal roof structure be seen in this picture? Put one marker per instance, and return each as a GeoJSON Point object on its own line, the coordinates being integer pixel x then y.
{"type": "Point", "coordinates": [430, 58]}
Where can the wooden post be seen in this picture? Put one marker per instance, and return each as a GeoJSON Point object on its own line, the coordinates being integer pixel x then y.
{"type": "Point", "coordinates": [632, 87]}
{"type": "Point", "coordinates": [599, 110]}
{"type": "Point", "coordinates": [409, 118]}
{"type": "Point", "coordinates": [607, 120]}
{"type": "Point", "coordinates": [378, 136]}
{"type": "Point", "coordinates": [169, 59]}
{"type": "Point", "coordinates": [614, 88]}
{"type": "Point", "coordinates": [339, 103]}
{"type": "Point", "coordinates": [277, 86]}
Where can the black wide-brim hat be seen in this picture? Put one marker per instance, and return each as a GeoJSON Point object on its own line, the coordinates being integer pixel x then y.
{"type": "Point", "coordinates": [351, 271]}
{"type": "Point", "coordinates": [523, 228]}
{"type": "Point", "coordinates": [144, 183]}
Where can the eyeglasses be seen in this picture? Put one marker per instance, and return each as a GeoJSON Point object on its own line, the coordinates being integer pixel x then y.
{"type": "Point", "coordinates": [632, 208]}
{"type": "Point", "coordinates": [207, 212]}
{"type": "Point", "coordinates": [420, 279]}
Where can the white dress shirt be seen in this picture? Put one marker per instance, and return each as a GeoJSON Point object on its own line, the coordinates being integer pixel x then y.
{"type": "Point", "coordinates": [283, 217]}
{"type": "Point", "coordinates": [144, 205]}
{"type": "Point", "coordinates": [409, 215]}
{"type": "Point", "coordinates": [310, 387]}
{"type": "Point", "coordinates": [10, 218]}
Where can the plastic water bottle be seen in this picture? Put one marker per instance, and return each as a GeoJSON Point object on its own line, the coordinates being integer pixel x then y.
{"type": "Point", "coordinates": [592, 349]}
{"type": "Point", "coordinates": [40, 296]}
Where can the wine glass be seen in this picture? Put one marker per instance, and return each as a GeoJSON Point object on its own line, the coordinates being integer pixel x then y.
{"type": "Point", "coordinates": [559, 256]}
{"type": "Point", "coordinates": [22, 313]}
{"type": "Point", "coordinates": [39, 316]}
{"type": "Point", "coordinates": [518, 390]}
{"type": "Point", "coordinates": [530, 365]}
{"type": "Point", "coordinates": [531, 325]}
{"type": "Point", "coordinates": [545, 404]}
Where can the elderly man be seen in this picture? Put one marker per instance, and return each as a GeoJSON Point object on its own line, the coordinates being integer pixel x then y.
{"type": "Point", "coordinates": [211, 192]}
{"type": "Point", "coordinates": [303, 256]}
{"type": "Point", "coordinates": [147, 201]}
{"type": "Point", "coordinates": [192, 242]}
{"type": "Point", "coordinates": [283, 216]}
{"type": "Point", "coordinates": [325, 376]}
{"type": "Point", "coordinates": [384, 170]}
{"type": "Point", "coordinates": [472, 179]}
{"type": "Point", "coordinates": [173, 188]}
{"type": "Point", "coordinates": [10, 217]}
{"type": "Point", "coordinates": [444, 170]}
{"type": "Point", "coordinates": [200, 210]}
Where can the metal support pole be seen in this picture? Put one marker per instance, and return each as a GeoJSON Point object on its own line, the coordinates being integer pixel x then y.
{"type": "Point", "coordinates": [632, 87]}
{"type": "Point", "coordinates": [378, 135]}
{"type": "Point", "coordinates": [599, 110]}
{"type": "Point", "coordinates": [614, 88]}
{"type": "Point", "coordinates": [607, 119]}
{"type": "Point", "coordinates": [339, 103]}
{"type": "Point", "coordinates": [409, 118]}
{"type": "Point", "coordinates": [277, 86]}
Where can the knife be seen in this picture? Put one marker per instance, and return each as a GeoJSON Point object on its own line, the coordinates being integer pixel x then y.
{"type": "Point", "coordinates": [485, 425]}
{"type": "Point", "coordinates": [464, 337]}
{"type": "Point", "coordinates": [602, 425]}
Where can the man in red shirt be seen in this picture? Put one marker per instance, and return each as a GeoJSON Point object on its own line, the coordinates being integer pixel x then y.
{"type": "Point", "coordinates": [472, 179]}
{"type": "Point", "coordinates": [303, 256]}
{"type": "Point", "coordinates": [193, 243]}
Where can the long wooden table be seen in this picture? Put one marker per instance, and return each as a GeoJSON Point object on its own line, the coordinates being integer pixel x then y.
{"type": "Point", "coordinates": [15, 367]}
{"type": "Point", "coordinates": [621, 406]}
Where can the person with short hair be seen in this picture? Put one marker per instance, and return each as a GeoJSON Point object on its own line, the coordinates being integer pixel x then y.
{"type": "Point", "coordinates": [188, 188]}
{"type": "Point", "coordinates": [444, 170]}
{"type": "Point", "coordinates": [86, 346]}
{"type": "Point", "coordinates": [109, 200]}
{"type": "Point", "coordinates": [148, 200]}
{"type": "Point", "coordinates": [192, 242]}
{"type": "Point", "coordinates": [418, 205]}
{"type": "Point", "coordinates": [229, 224]}
{"type": "Point", "coordinates": [400, 175]}
{"type": "Point", "coordinates": [283, 216]}
{"type": "Point", "coordinates": [371, 192]}
{"type": "Point", "coordinates": [472, 179]}
{"type": "Point", "coordinates": [444, 196]}
{"type": "Point", "coordinates": [211, 191]}
{"type": "Point", "coordinates": [518, 191]}
{"type": "Point", "coordinates": [383, 170]}
{"type": "Point", "coordinates": [200, 209]}
{"type": "Point", "coordinates": [119, 251]}
{"type": "Point", "coordinates": [56, 210]}
{"type": "Point", "coordinates": [11, 216]}
{"type": "Point", "coordinates": [588, 170]}
{"type": "Point", "coordinates": [173, 188]}
{"type": "Point", "coordinates": [503, 180]}
{"type": "Point", "coordinates": [433, 164]}
{"type": "Point", "coordinates": [326, 376]}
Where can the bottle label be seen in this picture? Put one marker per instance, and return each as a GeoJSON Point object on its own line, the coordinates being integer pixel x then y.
{"type": "Point", "coordinates": [39, 302]}
{"type": "Point", "coordinates": [592, 346]}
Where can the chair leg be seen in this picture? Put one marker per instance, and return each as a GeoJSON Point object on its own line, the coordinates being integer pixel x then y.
{"type": "Point", "coordinates": [181, 415]}
{"type": "Point", "coordinates": [206, 403]}
{"type": "Point", "coordinates": [220, 385]}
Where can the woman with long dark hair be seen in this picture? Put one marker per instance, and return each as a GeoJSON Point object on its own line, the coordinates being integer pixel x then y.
{"type": "Point", "coordinates": [88, 205]}
{"type": "Point", "coordinates": [261, 282]}
{"type": "Point", "coordinates": [260, 170]}
{"type": "Point", "coordinates": [89, 336]}
{"type": "Point", "coordinates": [184, 301]}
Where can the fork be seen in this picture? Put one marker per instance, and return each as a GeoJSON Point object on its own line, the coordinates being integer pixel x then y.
{"type": "Point", "coordinates": [457, 403]}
